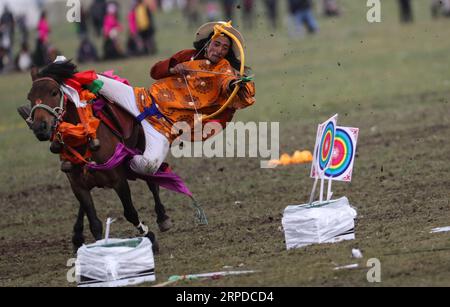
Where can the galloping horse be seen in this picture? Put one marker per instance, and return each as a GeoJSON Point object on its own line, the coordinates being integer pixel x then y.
{"type": "Point", "coordinates": [50, 106]}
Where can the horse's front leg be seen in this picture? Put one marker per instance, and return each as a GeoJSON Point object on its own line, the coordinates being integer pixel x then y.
{"type": "Point", "coordinates": [123, 191]}
{"type": "Point", "coordinates": [87, 207]}
{"type": "Point", "coordinates": [78, 237]}
{"type": "Point", "coordinates": [163, 220]}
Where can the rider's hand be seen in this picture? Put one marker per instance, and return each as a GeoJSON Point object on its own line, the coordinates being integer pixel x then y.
{"type": "Point", "coordinates": [179, 69]}
{"type": "Point", "coordinates": [239, 82]}
{"type": "Point", "coordinates": [234, 83]}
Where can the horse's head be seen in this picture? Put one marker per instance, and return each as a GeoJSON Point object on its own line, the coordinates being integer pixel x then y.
{"type": "Point", "coordinates": [47, 106]}
{"type": "Point", "coordinates": [47, 98]}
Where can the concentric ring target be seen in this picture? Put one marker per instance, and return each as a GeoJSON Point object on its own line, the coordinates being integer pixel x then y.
{"type": "Point", "coordinates": [342, 154]}
{"type": "Point", "coordinates": [326, 146]}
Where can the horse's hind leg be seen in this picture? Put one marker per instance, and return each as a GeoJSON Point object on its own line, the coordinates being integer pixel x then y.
{"type": "Point", "coordinates": [78, 238]}
{"type": "Point", "coordinates": [163, 220]}
{"type": "Point", "coordinates": [123, 191]}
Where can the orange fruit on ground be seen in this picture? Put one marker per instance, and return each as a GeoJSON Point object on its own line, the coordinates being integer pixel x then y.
{"type": "Point", "coordinates": [285, 159]}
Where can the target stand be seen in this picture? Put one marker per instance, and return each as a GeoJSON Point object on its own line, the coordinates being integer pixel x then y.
{"type": "Point", "coordinates": [325, 220]}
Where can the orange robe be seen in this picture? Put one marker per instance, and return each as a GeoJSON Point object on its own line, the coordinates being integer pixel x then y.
{"type": "Point", "coordinates": [180, 99]}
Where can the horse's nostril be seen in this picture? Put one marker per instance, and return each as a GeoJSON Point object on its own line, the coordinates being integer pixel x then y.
{"type": "Point", "coordinates": [43, 126]}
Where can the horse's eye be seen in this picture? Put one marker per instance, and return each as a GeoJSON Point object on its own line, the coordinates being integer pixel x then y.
{"type": "Point", "coordinates": [55, 93]}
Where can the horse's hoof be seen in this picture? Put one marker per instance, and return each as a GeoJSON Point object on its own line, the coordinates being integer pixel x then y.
{"type": "Point", "coordinates": [94, 144]}
{"type": "Point", "coordinates": [165, 225]}
{"type": "Point", "coordinates": [66, 166]}
{"type": "Point", "coordinates": [76, 248]}
{"type": "Point", "coordinates": [77, 242]}
{"type": "Point", "coordinates": [155, 245]}
{"type": "Point", "coordinates": [155, 248]}
{"type": "Point", "coordinates": [56, 147]}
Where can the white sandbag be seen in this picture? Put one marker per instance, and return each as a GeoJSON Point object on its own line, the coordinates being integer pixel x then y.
{"type": "Point", "coordinates": [117, 262]}
{"type": "Point", "coordinates": [327, 223]}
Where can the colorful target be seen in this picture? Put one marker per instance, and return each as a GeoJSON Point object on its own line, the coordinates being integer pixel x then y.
{"type": "Point", "coordinates": [326, 145]}
{"type": "Point", "coordinates": [343, 154]}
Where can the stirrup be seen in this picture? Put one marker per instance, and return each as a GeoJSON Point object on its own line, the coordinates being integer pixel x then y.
{"type": "Point", "coordinates": [66, 166]}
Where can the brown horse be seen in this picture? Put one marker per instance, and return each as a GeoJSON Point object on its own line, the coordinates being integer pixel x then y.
{"type": "Point", "coordinates": [53, 107]}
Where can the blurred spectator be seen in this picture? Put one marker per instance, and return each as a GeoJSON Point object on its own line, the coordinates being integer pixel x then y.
{"type": "Point", "coordinates": [43, 28]}
{"type": "Point", "coordinates": [23, 60]}
{"type": "Point", "coordinates": [82, 27]}
{"type": "Point", "coordinates": [7, 26]}
{"type": "Point", "coordinates": [40, 55]}
{"type": "Point", "coordinates": [192, 13]}
{"type": "Point", "coordinates": [228, 8]}
{"type": "Point", "coordinates": [272, 12]}
{"type": "Point", "coordinates": [134, 43]}
{"type": "Point", "coordinates": [406, 14]}
{"type": "Point", "coordinates": [440, 7]}
{"type": "Point", "coordinates": [23, 28]}
{"type": "Point", "coordinates": [98, 12]}
{"type": "Point", "coordinates": [330, 8]}
{"type": "Point", "coordinates": [87, 51]}
{"type": "Point", "coordinates": [7, 23]}
{"type": "Point", "coordinates": [212, 10]}
{"type": "Point", "coordinates": [247, 13]}
{"type": "Point", "coordinates": [146, 27]}
{"type": "Point", "coordinates": [2, 57]}
{"type": "Point", "coordinates": [301, 15]}
{"type": "Point", "coordinates": [111, 30]}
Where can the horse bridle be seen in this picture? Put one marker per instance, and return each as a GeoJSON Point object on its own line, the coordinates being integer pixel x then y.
{"type": "Point", "coordinates": [57, 112]}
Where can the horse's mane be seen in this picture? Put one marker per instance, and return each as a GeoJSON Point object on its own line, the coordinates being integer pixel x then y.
{"type": "Point", "coordinates": [59, 71]}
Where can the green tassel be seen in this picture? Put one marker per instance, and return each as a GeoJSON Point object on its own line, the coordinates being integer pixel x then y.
{"type": "Point", "coordinates": [247, 79]}
{"type": "Point", "coordinates": [95, 86]}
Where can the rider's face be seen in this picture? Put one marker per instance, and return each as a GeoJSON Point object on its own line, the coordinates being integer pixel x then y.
{"type": "Point", "coordinates": [218, 49]}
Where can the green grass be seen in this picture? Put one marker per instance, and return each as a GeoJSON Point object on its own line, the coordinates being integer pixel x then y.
{"type": "Point", "coordinates": [390, 80]}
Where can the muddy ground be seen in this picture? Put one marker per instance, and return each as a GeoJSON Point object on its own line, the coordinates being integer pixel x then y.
{"type": "Point", "coordinates": [399, 199]}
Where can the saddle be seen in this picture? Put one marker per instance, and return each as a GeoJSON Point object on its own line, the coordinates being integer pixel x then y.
{"type": "Point", "coordinates": [123, 122]}
{"type": "Point", "coordinates": [120, 122]}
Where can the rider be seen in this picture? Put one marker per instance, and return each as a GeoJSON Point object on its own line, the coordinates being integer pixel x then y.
{"type": "Point", "coordinates": [190, 83]}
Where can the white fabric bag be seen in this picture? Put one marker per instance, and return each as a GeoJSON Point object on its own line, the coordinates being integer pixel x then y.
{"type": "Point", "coordinates": [117, 262]}
{"type": "Point", "coordinates": [330, 222]}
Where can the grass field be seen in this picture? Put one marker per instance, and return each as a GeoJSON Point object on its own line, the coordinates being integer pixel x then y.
{"type": "Point", "coordinates": [390, 80]}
